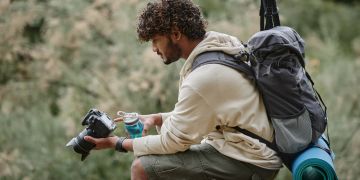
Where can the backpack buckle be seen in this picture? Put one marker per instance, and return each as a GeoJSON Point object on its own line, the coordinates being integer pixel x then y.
{"type": "Point", "coordinates": [242, 56]}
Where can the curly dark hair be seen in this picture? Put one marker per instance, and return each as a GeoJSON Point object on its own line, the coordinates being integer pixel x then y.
{"type": "Point", "coordinates": [160, 16]}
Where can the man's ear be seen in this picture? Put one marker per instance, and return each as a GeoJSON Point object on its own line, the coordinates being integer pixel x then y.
{"type": "Point", "coordinates": [175, 34]}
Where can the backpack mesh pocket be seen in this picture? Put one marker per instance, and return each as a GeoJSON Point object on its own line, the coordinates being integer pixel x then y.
{"type": "Point", "coordinates": [293, 134]}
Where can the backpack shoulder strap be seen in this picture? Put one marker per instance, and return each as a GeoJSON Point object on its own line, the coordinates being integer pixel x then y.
{"type": "Point", "coordinates": [218, 57]}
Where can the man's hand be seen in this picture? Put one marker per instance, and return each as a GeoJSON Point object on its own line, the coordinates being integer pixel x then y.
{"type": "Point", "coordinates": [103, 143]}
{"type": "Point", "coordinates": [148, 121]}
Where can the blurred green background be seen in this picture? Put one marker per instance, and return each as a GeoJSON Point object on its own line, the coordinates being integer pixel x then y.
{"type": "Point", "coordinates": [59, 58]}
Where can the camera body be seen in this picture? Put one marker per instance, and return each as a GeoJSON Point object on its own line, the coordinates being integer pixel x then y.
{"type": "Point", "coordinates": [98, 125]}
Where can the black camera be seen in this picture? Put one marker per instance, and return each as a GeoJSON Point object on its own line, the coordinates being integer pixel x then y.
{"type": "Point", "coordinates": [99, 125]}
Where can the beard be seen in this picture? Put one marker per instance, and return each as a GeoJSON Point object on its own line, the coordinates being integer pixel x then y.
{"type": "Point", "coordinates": [173, 52]}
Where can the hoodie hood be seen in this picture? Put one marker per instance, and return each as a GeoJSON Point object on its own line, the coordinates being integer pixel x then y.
{"type": "Point", "coordinates": [213, 41]}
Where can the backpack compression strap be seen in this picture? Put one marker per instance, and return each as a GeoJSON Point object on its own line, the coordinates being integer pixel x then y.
{"type": "Point", "coordinates": [217, 57]}
{"type": "Point", "coordinates": [268, 10]}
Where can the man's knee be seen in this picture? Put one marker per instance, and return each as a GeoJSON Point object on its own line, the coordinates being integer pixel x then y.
{"type": "Point", "coordinates": [136, 165]}
{"type": "Point", "coordinates": [137, 170]}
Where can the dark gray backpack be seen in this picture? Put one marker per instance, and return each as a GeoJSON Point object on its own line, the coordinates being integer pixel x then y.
{"type": "Point", "coordinates": [275, 61]}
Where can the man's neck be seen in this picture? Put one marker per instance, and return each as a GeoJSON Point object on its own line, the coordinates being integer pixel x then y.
{"type": "Point", "coordinates": [189, 47]}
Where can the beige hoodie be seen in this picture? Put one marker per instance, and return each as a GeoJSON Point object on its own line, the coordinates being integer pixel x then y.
{"type": "Point", "coordinates": [210, 96]}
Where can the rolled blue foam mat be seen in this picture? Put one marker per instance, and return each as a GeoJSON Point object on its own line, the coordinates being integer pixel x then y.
{"type": "Point", "coordinates": [314, 164]}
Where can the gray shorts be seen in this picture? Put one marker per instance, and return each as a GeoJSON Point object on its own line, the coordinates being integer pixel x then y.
{"type": "Point", "coordinates": [201, 162]}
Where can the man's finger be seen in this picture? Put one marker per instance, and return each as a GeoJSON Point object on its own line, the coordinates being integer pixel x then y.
{"type": "Point", "coordinates": [118, 119]}
{"type": "Point", "coordinates": [90, 139]}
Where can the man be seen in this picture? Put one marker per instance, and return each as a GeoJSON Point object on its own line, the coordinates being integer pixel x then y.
{"type": "Point", "coordinates": [195, 140]}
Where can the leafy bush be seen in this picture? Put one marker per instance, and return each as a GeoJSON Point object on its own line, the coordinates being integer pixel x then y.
{"type": "Point", "coordinates": [60, 58]}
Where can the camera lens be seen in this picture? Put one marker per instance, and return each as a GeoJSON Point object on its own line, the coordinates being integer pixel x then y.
{"type": "Point", "coordinates": [80, 145]}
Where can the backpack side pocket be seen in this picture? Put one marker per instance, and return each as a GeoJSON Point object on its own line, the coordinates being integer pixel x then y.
{"type": "Point", "coordinates": [293, 134]}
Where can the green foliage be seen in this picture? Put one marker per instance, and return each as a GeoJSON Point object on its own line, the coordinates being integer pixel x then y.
{"type": "Point", "coordinates": [330, 21]}
{"type": "Point", "coordinates": [60, 58]}
{"type": "Point", "coordinates": [348, 2]}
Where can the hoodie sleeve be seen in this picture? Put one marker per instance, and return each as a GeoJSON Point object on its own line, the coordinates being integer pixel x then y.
{"type": "Point", "coordinates": [164, 116]}
{"type": "Point", "coordinates": [191, 119]}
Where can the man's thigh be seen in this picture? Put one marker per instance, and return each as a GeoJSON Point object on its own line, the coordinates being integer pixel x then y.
{"type": "Point", "coordinates": [201, 162]}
